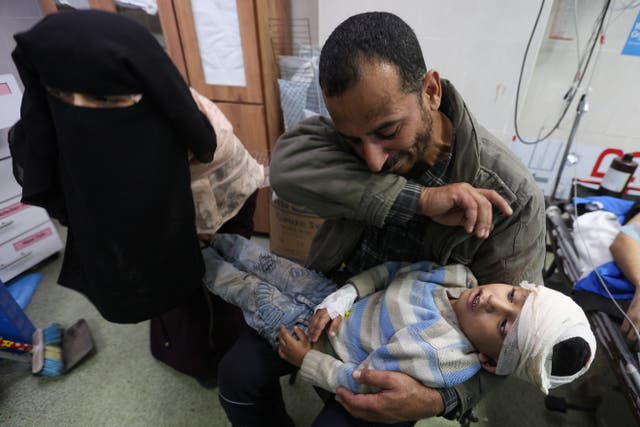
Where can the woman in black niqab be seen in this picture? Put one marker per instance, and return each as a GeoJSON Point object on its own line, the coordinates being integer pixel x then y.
{"type": "Point", "coordinates": [115, 172]}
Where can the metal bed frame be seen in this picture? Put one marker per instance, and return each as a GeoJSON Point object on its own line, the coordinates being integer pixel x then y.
{"type": "Point", "coordinates": [624, 362]}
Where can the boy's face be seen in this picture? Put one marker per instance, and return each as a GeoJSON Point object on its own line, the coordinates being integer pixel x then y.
{"type": "Point", "coordinates": [486, 314]}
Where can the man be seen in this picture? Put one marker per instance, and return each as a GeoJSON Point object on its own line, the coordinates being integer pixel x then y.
{"type": "Point", "coordinates": [402, 166]}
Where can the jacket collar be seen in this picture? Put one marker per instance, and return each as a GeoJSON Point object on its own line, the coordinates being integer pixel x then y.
{"type": "Point", "coordinates": [465, 145]}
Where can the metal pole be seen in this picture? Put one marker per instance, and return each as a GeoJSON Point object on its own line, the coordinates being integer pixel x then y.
{"type": "Point", "coordinates": [582, 108]}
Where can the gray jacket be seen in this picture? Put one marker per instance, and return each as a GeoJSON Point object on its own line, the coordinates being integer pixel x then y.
{"type": "Point", "coordinates": [312, 166]}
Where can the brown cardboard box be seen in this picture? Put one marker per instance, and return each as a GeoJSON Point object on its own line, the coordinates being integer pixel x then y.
{"type": "Point", "coordinates": [292, 229]}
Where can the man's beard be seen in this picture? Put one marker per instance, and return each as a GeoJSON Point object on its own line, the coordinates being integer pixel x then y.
{"type": "Point", "coordinates": [423, 153]}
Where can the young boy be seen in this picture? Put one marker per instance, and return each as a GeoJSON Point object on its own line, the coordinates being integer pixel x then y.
{"type": "Point", "coordinates": [433, 323]}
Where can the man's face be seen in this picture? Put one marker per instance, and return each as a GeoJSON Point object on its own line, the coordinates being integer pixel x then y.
{"type": "Point", "coordinates": [486, 313]}
{"type": "Point", "coordinates": [389, 129]}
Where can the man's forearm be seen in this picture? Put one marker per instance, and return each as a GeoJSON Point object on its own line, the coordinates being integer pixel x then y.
{"type": "Point", "coordinates": [400, 398]}
{"type": "Point", "coordinates": [311, 166]}
{"type": "Point", "coordinates": [434, 402]}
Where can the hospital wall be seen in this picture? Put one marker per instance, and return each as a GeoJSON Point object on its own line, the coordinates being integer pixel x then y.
{"type": "Point", "coordinates": [479, 46]}
{"type": "Point", "coordinates": [15, 16]}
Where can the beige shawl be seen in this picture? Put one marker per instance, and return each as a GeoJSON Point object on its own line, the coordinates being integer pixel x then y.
{"type": "Point", "coordinates": [221, 187]}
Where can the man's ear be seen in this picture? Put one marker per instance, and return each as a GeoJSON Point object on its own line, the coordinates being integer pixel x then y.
{"type": "Point", "coordinates": [488, 364]}
{"type": "Point", "coordinates": [432, 90]}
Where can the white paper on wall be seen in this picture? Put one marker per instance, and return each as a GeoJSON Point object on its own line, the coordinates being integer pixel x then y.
{"type": "Point", "coordinates": [218, 32]}
{"type": "Point", "coordinates": [76, 4]}
{"type": "Point", "coordinates": [149, 6]}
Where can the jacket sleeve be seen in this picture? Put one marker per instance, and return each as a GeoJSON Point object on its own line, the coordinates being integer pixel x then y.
{"type": "Point", "coordinates": [374, 279]}
{"type": "Point", "coordinates": [311, 166]}
{"type": "Point", "coordinates": [327, 372]}
{"type": "Point", "coordinates": [515, 252]}
{"type": "Point", "coordinates": [470, 391]}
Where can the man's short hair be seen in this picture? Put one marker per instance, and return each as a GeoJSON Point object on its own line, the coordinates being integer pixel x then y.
{"type": "Point", "coordinates": [370, 36]}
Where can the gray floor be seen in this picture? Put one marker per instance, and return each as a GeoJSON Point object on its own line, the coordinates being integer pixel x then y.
{"type": "Point", "coordinates": [123, 385]}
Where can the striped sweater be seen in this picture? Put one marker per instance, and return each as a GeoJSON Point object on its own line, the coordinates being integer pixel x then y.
{"type": "Point", "coordinates": [403, 322]}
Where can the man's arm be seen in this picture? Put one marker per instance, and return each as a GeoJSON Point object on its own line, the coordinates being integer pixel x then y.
{"type": "Point", "coordinates": [460, 204]}
{"type": "Point", "coordinates": [515, 250]}
{"type": "Point", "coordinates": [312, 166]}
{"type": "Point", "coordinates": [401, 398]}
{"type": "Point", "coordinates": [626, 253]}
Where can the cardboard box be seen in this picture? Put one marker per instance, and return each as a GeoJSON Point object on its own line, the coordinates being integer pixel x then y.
{"type": "Point", "coordinates": [292, 229]}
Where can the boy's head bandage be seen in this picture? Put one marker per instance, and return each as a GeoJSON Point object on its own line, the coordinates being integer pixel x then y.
{"type": "Point", "coordinates": [547, 318]}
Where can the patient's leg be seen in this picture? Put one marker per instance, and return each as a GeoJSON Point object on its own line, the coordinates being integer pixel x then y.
{"type": "Point", "coordinates": [265, 308]}
{"type": "Point", "coordinates": [289, 277]}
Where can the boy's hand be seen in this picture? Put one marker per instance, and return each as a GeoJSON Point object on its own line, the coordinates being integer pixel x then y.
{"type": "Point", "coordinates": [293, 350]}
{"type": "Point", "coordinates": [319, 322]}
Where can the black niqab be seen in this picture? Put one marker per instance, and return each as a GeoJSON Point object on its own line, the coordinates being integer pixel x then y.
{"type": "Point", "coordinates": [117, 177]}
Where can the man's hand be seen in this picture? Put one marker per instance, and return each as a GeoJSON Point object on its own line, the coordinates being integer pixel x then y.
{"type": "Point", "coordinates": [293, 350]}
{"type": "Point", "coordinates": [401, 398]}
{"type": "Point", "coordinates": [319, 321]}
{"type": "Point", "coordinates": [634, 314]}
{"type": "Point", "coordinates": [461, 204]}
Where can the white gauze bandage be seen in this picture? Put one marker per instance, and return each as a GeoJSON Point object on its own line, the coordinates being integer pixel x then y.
{"type": "Point", "coordinates": [339, 302]}
{"type": "Point", "coordinates": [547, 318]}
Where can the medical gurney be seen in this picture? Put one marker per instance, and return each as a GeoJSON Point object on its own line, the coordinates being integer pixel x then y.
{"type": "Point", "coordinates": [624, 361]}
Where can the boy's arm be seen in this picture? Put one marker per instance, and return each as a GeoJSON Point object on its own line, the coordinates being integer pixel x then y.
{"type": "Point", "coordinates": [317, 367]}
{"type": "Point", "coordinates": [403, 396]}
{"type": "Point", "coordinates": [375, 278]}
{"type": "Point", "coordinates": [333, 307]}
{"type": "Point", "coordinates": [327, 372]}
